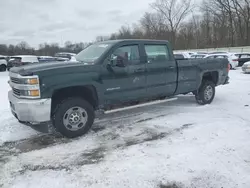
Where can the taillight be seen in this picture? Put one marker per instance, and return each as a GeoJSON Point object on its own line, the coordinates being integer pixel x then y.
{"type": "Point", "coordinates": [228, 67]}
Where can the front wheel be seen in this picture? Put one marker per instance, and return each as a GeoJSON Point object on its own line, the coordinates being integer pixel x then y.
{"type": "Point", "coordinates": [73, 117]}
{"type": "Point", "coordinates": [206, 93]}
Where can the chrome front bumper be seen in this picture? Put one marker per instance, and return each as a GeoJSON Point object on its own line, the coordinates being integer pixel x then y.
{"type": "Point", "coordinates": [30, 110]}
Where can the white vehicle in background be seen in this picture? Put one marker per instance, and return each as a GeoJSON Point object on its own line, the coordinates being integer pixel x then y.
{"type": "Point", "coordinates": [64, 56]}
{"type": "Point", "coordinates": [73, 59]}
{"type": "Point", "coordinates": [233, 60]}
{"type": "Point", "coordinates": [19, 60]}
{"type": "Point", "coordinates": [198, 56]}
{"type": "Point", "coordinates": [3, 63]}
{"type": "Point", "coordinates": [182, 55]}
{"type": "Point", "coordinates": [218, 52]}
{"type": "Point", "coordinates": [246, 67]}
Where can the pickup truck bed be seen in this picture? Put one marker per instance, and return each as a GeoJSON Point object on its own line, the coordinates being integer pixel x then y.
{"type": "Point", "coordinates": [191, 72]}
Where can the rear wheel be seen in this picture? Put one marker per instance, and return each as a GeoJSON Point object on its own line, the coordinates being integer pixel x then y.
{"type": "Point", "coordinates": [206, 93]}
{"type": "Point", "coordinates": [73, 117]}
{"type": "Point", "coordinates": [2, 68]}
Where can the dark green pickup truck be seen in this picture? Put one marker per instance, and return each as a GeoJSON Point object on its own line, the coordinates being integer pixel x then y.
{"type": "Point", "coordinates": [108, 75]}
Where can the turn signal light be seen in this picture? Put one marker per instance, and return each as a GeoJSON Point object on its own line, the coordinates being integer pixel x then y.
{"type": "Point", "coordinates": [228, 67]}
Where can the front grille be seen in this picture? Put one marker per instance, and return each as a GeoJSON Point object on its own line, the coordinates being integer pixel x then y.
{"type": "Point", "coordinates": [16, 92]}
{"type": "Point", "coordinates": [15, 80]}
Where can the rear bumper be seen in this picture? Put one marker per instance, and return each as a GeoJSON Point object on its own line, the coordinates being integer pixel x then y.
{"type": "Point", "coordinates": [27, 110]}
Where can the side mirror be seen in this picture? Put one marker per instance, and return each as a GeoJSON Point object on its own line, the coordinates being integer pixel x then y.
{"type": "Point", "coordinates": [118, 62]}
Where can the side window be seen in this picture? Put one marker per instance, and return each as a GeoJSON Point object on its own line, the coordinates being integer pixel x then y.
{"type": "Point", "coordinates": [211, 57]}
{"type": "Point", "coordinates": [245, 56]}
{"type": "Point", "coordinates": [156, 53]}
{"type": "Point", "coordinates": [129, 54]}
{"type": "Point", "coordinates": [220, 57]}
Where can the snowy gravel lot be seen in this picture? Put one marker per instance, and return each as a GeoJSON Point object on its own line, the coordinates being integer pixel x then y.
{"type": "Point", "coordinates": [178, 143]}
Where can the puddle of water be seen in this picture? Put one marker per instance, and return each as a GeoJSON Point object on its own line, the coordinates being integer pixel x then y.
{"type": "Point", "coordinates": [171, 185]}
{"type": "Point", "coordinates": [92, 156]}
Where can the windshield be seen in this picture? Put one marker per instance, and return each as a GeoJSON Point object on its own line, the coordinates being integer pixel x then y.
{"type": "Point", "coordinates": [92, 53]}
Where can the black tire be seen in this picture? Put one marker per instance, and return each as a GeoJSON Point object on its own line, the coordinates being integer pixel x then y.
{"type": "Point", "coordinates": [2, 68]}
{"type": "Point", "coordinates": [63, 107]}
{"type": "Point", "coordinates": [201, 96]}
{"type": "Point", "coordinates": [231, 68]}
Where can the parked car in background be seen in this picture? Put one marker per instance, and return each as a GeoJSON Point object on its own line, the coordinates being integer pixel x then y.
{"type": "Point", "coordinates": [233, 60]}
{"type": "Point", "coordinates": [3, 63]}
{"type": "Point", "coordinates": [62, 59]}
{"type": "Point", "coordinates": [246, 67]}
{"type": "Point", "coordinates": [46, 59]}
{"type": "Point", "coordinates": [210, 53]}
{"type": "Point", "coordinates": [190, 53]}
{"type": "Point", "coordinates": [65, 55]}
{"type": "Point", "coordinates": [242, 58]}
{"type": "Point", "coordinates": [198, 56]}
{"type": "Point", "coordinates": [182, 55]}
{"type": "Point", "coordinates": [202, 53]}
{"type": "Point", "coordinates": [19, 60]}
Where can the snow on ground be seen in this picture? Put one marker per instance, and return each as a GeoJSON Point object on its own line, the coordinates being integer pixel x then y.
{"type": "Point", "coordinates": [10, 129]}
{"type": "Point", "coordinates": [178, 143]}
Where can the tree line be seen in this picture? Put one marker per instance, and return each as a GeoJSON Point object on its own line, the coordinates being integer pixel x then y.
{"type": "Point", "coordinates": [45, 49]}
{"type": "Point", "coordinates": [210, 24]}
{"type": "Point", "coordinates": [186, 24]}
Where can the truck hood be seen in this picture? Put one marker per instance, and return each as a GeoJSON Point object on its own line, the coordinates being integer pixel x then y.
{"type": "Point", "coordinates": [37, 68]}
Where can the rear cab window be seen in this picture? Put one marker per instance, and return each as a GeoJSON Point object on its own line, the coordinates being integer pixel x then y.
{"type": "Point", "coordinates": [156, 53]}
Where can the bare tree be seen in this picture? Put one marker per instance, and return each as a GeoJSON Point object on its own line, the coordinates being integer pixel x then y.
{"type": "Point", "coordinates": [173, 12]}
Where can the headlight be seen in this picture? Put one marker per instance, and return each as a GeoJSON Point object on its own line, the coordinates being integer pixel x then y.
{"type": "Point", "coordinates": [25, 87]}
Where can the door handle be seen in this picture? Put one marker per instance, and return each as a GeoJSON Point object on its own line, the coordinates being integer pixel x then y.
{"type": "Point", "coordinates": [171, 67]}
{"type": "Point", "coordinates": [140, 70]}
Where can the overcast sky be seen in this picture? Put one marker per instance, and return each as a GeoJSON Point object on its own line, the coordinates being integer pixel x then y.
{"type": "Point", "coordinates": [39, 21]}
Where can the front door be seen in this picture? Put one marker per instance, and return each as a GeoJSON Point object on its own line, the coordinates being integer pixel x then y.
{"type": "Point", "coordinates": [161, 70]}
{"type": "Point", "coordinates": [124, 82]}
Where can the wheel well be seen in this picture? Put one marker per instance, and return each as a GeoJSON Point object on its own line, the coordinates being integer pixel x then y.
{"type": "Point", "coordinates": [3, 65]}
{"type": "Point", "coordinates": [86, 92]}
{"type": "Point", "coordinates": [211, 76]}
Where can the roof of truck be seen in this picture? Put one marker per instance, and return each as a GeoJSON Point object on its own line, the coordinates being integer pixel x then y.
{"type": "Point", "coordinates": [131, 40]}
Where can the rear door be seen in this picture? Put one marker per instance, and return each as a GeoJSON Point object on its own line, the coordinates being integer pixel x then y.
{"type": "Point", "coordinates": [161, 70]}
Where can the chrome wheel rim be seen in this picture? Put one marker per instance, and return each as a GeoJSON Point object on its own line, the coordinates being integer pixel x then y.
{"type": "Point", "coordinates": [75, 118]}
{"type": "Point", "coordinates": [208, 93]}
